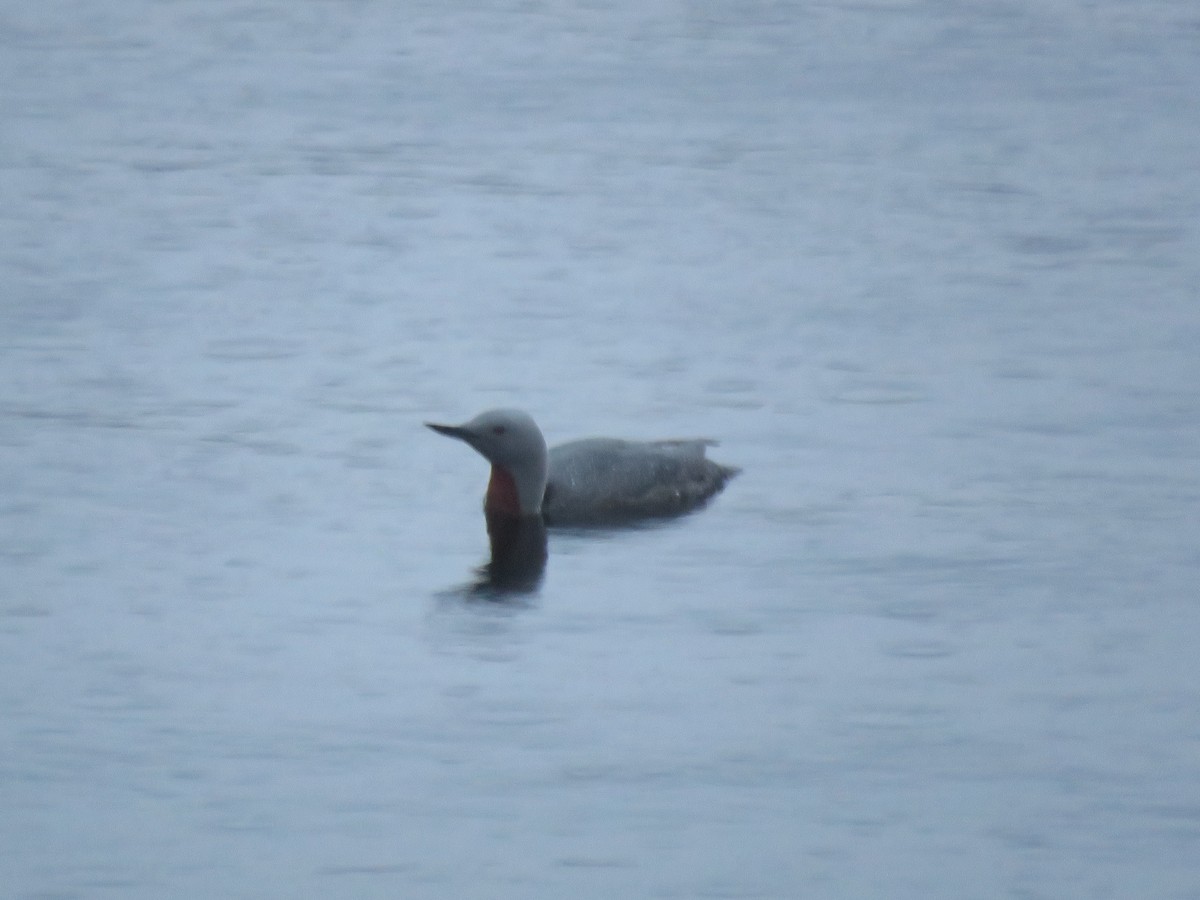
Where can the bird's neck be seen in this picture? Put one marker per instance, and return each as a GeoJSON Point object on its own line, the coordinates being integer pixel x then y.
{"type": "Point", "coordinates": [515, 493]}
{"type": "Point", "coordinates": [502, 498]}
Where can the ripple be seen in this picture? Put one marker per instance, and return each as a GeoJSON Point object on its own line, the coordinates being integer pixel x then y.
{"type": "Point", "coordinates": [919, 649]}
{"type": "Point", "coordinates": [252, 349]}
{"type": "Point", "coordinates": [593, 862]}
{"type": "Point", "coordinates": [367, 869]}
{"type": "Point", "coordinates": [24, 611]}
{"type": "Point", "coordinates": [895, 718]}
{"type": "Point", "coordinates": [876, 393]}
{"type": "Point", "coordinates": [912, 611]}
{"type": "Point", "coordinates": [1045, 244]}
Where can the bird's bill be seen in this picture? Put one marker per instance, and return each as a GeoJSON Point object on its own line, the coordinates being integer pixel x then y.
{"type": "Point", "coordinates": [453, 431]}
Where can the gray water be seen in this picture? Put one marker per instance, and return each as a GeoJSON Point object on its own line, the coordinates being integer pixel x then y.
{"type": "Point", "coordinates": [928, 271]}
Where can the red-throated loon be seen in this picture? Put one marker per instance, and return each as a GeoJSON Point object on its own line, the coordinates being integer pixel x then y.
{"type": "Point", "coordinates": [589, 482]}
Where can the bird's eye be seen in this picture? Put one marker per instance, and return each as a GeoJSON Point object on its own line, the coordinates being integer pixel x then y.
{"type": "Point", "coordinates": [498, 430]}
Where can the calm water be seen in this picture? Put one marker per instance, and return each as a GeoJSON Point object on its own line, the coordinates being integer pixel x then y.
{"type": "Point", "coordinates": [927, 269]}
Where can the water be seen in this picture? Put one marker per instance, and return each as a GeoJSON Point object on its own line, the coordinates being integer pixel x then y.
{"type": "Point", "coordinates": [928, 272]}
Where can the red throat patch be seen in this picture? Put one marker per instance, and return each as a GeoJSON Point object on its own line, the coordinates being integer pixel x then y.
{"type": "Point", "coordinates": [502, 498]}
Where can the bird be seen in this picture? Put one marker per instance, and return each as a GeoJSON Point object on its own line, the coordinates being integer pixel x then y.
{"type": "Point", "coordinates": [594, 481]}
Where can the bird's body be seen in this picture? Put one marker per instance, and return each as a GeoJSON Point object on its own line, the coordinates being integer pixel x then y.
{"type": "Point", "coordinates": [593, 481]}
{"type": "Point", "coordinates": [609, 480]}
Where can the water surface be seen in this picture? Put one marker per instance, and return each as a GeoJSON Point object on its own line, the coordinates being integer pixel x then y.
{"type": "Point", "coordinates": [928, 272]}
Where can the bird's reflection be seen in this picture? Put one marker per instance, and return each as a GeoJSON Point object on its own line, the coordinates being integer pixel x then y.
{"type": "Point", "coordinates": [518, 559]}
